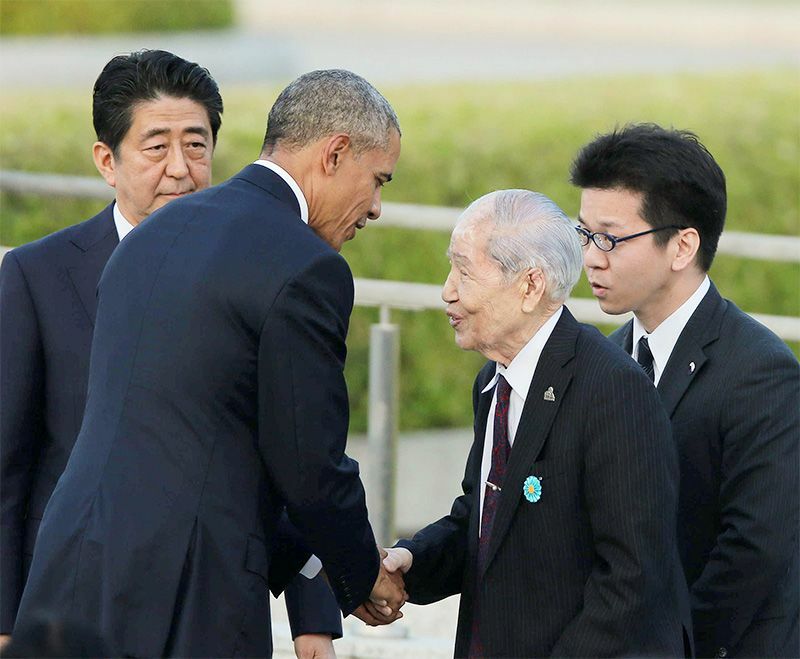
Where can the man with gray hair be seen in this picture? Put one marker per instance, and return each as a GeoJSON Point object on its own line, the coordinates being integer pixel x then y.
{"type": "Point", "coordinates": [217, 399]}
{"type": "Point", "coordinates": [563, 543]}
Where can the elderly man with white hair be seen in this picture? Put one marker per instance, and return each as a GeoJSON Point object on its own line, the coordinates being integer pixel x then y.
{"type": "Point", "coordinates": [563, 542]}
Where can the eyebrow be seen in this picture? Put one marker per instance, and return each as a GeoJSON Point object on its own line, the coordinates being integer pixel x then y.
{"type": "Point", "coordinates": [153, 132]}
{"type": "Point", "coordinates": [455, 256]}
{"type": "Point", "coordinates": [603, 224]}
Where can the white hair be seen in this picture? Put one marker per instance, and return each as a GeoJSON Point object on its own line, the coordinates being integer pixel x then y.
{"type": "Point", "coordinates": [528, 230]}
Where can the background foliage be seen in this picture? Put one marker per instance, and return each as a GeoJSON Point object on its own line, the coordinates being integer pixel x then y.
{"type": "Point", "coordinates": [26, 17]}
{"type": "Point", "coordinates": [460, 141]}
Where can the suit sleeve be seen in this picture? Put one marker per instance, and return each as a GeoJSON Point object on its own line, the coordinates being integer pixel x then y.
{"type": "Point", "coordinates": [759, 506]}
{"type": "Point", "coordinates": [312, 607]}
{"type": "Point", "coordinates": [440, 549]}
{"type": "Point", "coordinates": [630, 492]}
{"type": "Point", "coordinates": [21, 425]}
{"type": "Point", "coordinates": [303, 421]}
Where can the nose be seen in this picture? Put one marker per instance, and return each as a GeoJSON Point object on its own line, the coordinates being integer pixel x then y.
{"type": "Point", "coordinates": [375, 210]}
{"type": "Point", "coordinates": [449, 289]}
{"type": "Point", "coordinates": [594, 257]}
{"type": "Point", "coordinates": [176, 164]}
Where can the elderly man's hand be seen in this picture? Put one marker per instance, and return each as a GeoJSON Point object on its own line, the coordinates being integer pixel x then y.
{"type": "Point", "coordinates": [4, 639]}
{"type": "Point", "coordinates": [398, 558]}
{"type": "Point", "coordinates": [388, 593]}
{"type": "Point", "coordinates": [314, 646]}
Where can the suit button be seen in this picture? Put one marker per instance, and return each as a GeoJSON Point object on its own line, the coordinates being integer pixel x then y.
{"type": "Point", "coordinates": [722, 652]}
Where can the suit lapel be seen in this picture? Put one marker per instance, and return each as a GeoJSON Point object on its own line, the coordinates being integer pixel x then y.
{"type": "Point", "coordinates": [623, 337]}
{"type": "Point", "coordinates": [555, 369]}
{"type": "Point", "coordinates": [96, 242]}
{"type": "Point", "coordinates": [484, 403]}
{"type": "Point", "coordinates": [688, 356]}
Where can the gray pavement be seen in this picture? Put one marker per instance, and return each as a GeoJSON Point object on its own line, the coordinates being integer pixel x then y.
{"type": "Point", "coordinates": [415, 41]}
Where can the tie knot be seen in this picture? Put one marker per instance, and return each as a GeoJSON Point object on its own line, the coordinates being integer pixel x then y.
{"type": "Point", "coordinates": [503, 389]}
{"type": "Point", "coordinates": [645, 358]}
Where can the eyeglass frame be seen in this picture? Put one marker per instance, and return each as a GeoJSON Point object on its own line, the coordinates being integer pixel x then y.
{"type": "Point", "coordinates": [590, 236]}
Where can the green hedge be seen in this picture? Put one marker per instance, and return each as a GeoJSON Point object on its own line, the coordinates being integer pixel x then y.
{"type": "Point", "coordinates": [27, 17]}
{"type": "Point", "coordinates": [460, 141]}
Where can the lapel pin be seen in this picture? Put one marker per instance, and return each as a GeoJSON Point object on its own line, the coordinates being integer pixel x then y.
{"type": "Point", "coordinates": [549, 395]}
{"type": "Point", "coordinates": [532, 488]}
{"type": "Point", "coordinates": [691, 367]}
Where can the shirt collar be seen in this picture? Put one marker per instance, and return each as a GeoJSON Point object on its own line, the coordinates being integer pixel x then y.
{"type": "Point", "coordinates": [123, 226]}
{"type": "Point", "coordinates": [664, 337]}
{"type": "Point", "coordinates": [519, 372]}
{"type": "Point", "coordinates": [280, 171]}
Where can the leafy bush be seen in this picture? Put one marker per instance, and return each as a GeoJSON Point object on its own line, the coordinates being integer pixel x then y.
{"type": "Point", "coordinates": [26, 17]}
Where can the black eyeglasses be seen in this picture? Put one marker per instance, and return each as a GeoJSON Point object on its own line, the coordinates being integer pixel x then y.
{"type": "Point", "coordinates": [606, 242]}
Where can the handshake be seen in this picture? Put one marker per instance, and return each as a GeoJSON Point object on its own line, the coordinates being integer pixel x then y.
{"type": "Point", "coordinates": [389, 593]}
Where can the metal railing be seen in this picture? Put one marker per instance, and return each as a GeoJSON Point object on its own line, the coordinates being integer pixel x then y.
{"type": "Point", "coordinates": [386, 295]}
{"type": "Point", "coordinates": [406, 216]}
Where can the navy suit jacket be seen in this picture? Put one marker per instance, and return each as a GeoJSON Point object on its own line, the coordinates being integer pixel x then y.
{"type": "Point", "coordinates": [591, 569]}
{"type": "Point", "coordinates": [732, 391]}
{"type": "Point", "coordinates": [256, 558]}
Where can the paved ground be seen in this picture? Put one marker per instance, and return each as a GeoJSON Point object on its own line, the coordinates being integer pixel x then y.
{"type": "Point", "coordinates": [390, 42]}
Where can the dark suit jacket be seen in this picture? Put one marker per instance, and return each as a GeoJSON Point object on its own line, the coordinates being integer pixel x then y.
{"type": "Point", "coordinates": [216, 396]}
{"type": "Point", "coordinates": [591, 569]}
{"type": "Point", "coordinates": [736, 422]}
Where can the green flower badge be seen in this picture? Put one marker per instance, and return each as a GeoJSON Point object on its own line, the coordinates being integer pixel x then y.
{"type": "Point", "coordinates": [532, 488]}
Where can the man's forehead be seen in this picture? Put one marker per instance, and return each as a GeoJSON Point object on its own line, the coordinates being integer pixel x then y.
{"type": "Point", "coordinates": [169, 113]}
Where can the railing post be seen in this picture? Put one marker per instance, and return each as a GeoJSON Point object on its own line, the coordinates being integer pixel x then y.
{"type": "Point", "coordinates": [384, 362]}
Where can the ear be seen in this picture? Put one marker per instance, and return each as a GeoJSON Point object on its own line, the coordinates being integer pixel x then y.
{"type": "Point", "coordinates": [687, 244]}
{"type": "Point", "coordinates": [333, 152]}
{"type": "Point", "coordinates": [104, 161]}
{"type": "Point", "coordinates": [533, 289]}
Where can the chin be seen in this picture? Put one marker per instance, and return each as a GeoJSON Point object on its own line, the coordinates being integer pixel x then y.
{"type": "Point", "coordinates": [611, 308]}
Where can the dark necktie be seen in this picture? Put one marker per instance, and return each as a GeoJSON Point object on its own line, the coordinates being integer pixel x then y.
{"type": "Point", "coordinates": [501, 448]}
{"type": "Point", "coordinates": [645, 358]}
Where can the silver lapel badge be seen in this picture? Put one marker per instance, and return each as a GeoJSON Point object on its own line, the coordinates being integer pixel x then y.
{"type": "Point", "coordinates": [691, 367]}
{"type": "Point", "coordinates": [549, 395]}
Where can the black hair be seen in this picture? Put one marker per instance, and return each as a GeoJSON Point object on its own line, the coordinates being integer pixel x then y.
{"type": "Point", "coordinates": [679, 179]}
{"type": "Point", "coordinates": [146, 75]}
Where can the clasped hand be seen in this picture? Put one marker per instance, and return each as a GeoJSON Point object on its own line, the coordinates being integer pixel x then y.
{"type": "Point", "coordinates": [388, 594]}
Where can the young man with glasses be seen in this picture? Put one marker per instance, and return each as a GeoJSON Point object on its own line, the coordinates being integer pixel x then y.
{"type": "Point", "coordinates": [730, 386]}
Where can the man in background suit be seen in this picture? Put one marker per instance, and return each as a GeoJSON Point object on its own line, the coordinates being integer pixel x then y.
{"type": "Point", "coordinates": [730, 386]}
{"type": "Point", "coordinates": [157, 117]}
{"type": "Point", "coordinates": [563, 542]}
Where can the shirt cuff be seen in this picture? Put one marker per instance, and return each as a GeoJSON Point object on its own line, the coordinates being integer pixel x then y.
{"type": "Point", "coordinates": [312, 567]}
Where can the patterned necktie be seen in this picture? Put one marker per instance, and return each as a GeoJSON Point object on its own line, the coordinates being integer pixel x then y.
{"type": "Point", "coordinates": [501, 448]}
{"type": "Point", "coordinates": [645, 358]}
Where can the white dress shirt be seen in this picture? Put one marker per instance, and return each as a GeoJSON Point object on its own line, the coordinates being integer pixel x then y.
{"type": "Point", "coordinates": [518, 374]}
{"type": "Point", "coordinates": [663, 338]}
{"type": "Point", "coordinates": [123, 226]}
{"type": "Point", "coordinates": [280, 171]}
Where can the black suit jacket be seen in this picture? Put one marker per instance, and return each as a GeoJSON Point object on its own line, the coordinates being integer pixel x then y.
{"type": "Point", "coordinates": [591, 569]}
{"type": "Point", "coordinates": [736, 422]}
{"type": "Point", "coordinates": [216, 397]}
{"type": "Point", "coordinates": [47, 312]}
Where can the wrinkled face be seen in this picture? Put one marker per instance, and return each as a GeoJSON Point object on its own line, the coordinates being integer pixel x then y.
{"type": "Point", "coordinates": [354, 195]}
{"type": "Point", "coordinates": [166, 153]}
{"type": "Point", "coordinates": [484, 308]}
{"type": "Point", "coordinates": [636, 274]}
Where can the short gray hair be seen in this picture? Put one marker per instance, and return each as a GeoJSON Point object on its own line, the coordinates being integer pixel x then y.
{"type": "Point", "coordinates": [326, 102]}
{"type": "Point", "coordinates": [528, 230]}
